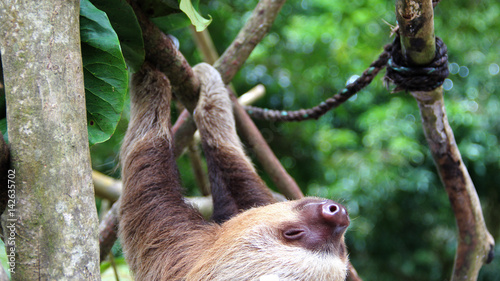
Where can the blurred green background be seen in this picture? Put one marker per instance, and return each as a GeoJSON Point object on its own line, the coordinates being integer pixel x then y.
{"type": "Point", "coordinates": [370, 153]}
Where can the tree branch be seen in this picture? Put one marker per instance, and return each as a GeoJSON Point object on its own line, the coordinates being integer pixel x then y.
{"type": "Point", "coordinates": [108, 228]}
{"type": "Point", "coordinates": [198, 172]}
{"type": "Point", "coordinates": [283, 181]}
{"type": "Point", "coordinates": [106, 187]}
{"type": "Point", "coordinates": [249, 36]}
{"type": "Point", "coordinates": [162, 53]}
{"type": "Point", "coordinates": [475, 243]}
{"type": "Point", "coordinates": [416, 28]}
{"type": "Point", "coordinates": [183, 131]}
{"type": "Point", "coordinates": [205, 44]}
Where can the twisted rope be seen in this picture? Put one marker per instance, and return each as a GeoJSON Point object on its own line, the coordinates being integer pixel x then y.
{"type": "Point", "coordinates": [330, 103]}
{"type": "Point", "coordinates": [417, 78]}
{"type": "Point", "coordinates": [405, 77]}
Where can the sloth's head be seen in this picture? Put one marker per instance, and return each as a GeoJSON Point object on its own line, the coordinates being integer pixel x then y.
{"type": "Point", "coordinates": [296, 240]}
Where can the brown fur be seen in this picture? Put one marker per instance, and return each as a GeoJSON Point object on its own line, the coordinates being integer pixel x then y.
{"type": "Point", "coordinates": [235, 184]}
{"type": "Point", "coordinates": [166, 239]}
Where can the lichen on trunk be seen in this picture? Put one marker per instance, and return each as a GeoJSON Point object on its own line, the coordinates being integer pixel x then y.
{"type": "Point", "coordinates": [55, 233]}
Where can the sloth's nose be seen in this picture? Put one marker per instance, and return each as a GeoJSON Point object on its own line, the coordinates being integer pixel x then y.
{"type": "Point", "coordinates": [335, 214]}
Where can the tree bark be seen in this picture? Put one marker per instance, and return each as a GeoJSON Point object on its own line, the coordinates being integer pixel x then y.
{"type": "Point", "coordinates": [416, 27]}
{"type": "Point", "coordinates": [4, 169]}
{"type": "Point", "coordinates": [475, 243]}
{"type": "Point", "coordinates": [53, 221]}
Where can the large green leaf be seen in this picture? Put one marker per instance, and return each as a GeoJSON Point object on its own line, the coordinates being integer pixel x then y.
{"type": "Point", "coordinates": [105, 73]}
{"type": "Point", "coordinates": [124, 22]}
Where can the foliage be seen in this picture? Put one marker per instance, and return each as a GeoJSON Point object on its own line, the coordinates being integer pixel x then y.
{"type": "Point", "coordinates": [105, 73]}
{"type": "Point", "coordinates": [122, 19]}
{"type": "Point", "coordinates": [370, 153]}
{"type": "Point", "coordinates": [196, 19]}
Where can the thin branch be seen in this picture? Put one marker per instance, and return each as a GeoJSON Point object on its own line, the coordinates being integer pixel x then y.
{"type": "Point", "coordinates": [475, 243]}
{"type": "Point", "coordinates": [183, 131]}
{"type": "Point", "coordinates": [113, 265]}
{"type": "Point", "coordinates": [108, 230]}
{"type": "Point", "coordinates": [197, 166]}
{"type": "Point", "coordinates": [106, 187]}
{"type": "Point", "coordinates": [283, 181]}
{"type": "Point", "coordinates": [205, 44]}
{"type": "Point", "coordinates": [253, 95]}
{"type": "Point", "coordinates": [353, 274]}
{"type": "Point", "coordinates": [250, 35]}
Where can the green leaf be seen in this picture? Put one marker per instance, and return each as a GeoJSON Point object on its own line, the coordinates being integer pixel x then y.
{"type": "Point", "coordinates": [124, 22]}
{"type": "Point", "coordinates": [172, 22]}
{"type": "Point", "coordinates": [160, 8]}
{"type": "Point", "coordinates": [196, 19]}
{"type": "Point", "coordinates": [105, 73]}
{"type": "Point", "coordinates": [4, 130]}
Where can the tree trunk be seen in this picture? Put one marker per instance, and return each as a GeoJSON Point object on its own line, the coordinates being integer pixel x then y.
{"type": "Point", "coordinates": [51, 226]}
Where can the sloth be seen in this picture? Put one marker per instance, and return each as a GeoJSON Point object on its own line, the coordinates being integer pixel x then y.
{"type": "Point", "coordinates": [250, 236]}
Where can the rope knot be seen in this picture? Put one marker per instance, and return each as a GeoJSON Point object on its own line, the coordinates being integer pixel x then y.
{"type": "Point", "coordinates": [417, 78]}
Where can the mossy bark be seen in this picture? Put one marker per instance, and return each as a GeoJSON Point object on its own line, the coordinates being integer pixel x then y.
{"type": "Point", "coordinates": [55, 219]}
{"type": "Point", "coordinates": [416, 28]}
{"type": "Point", "coordinates": [475, 243]}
